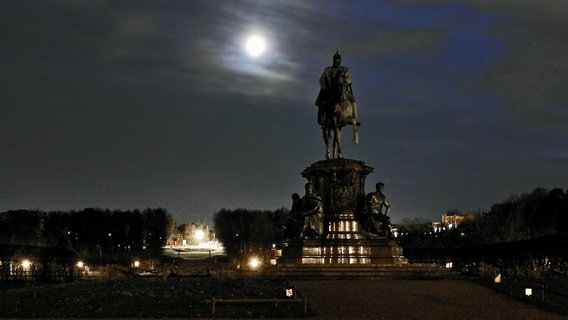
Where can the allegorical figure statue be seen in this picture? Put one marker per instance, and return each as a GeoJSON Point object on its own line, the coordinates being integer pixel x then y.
{"type": "Point", "coordinates": [378, 221]}
{"type": "Point", "coordinates": [295, 221]}
{"type": "Point", "coordinates": [312, 211]}
{"type": "Point", "coordinates": [336, 105]}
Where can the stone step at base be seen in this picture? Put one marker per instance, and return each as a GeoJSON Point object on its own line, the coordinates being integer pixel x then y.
{"type": "Point", "coordinates": [403, 271]}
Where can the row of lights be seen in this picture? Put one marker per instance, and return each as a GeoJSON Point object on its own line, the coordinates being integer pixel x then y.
{"type": "Point", "coordinates": [135, 264]}
{"type": "Point", "coordinates": [26, 265]}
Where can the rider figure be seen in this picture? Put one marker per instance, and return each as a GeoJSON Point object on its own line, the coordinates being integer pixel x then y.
{"type": "Point", "coordinates": [334, 98]}
{"type": "Point", "coordinates": [335, 83]}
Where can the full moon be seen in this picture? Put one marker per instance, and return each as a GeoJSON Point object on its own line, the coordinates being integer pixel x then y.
{"type": "Point", "coordinates": [255, 46]}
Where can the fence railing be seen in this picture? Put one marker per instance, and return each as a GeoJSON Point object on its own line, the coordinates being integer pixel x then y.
{"type": "Point", "coordinates": [215, 301]}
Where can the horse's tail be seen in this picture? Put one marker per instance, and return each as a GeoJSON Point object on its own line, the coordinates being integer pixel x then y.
{"type": "Point", "coordinates": [355, 134]}
{"type": "Point", "coordinates": [355, 124]}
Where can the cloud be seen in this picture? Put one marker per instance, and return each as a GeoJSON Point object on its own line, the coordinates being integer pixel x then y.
{"type": "Point", "coordinates": [533, 73]}
{"type": "Point", "coordinates": [532, 69]}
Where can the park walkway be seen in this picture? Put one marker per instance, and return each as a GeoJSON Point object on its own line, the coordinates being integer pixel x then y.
{"type": "Point", "coordinates": [414, 299]}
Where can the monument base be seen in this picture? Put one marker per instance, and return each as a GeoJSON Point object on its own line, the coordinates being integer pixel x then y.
{"type": "Point", "coordinates": [343, 251]}
{"type": "Point", "coordinates": [371, 251]}
{"type": "Point", "coordinates": [345, 248]}
{"type": "Point", "coordinates": [344, 243]}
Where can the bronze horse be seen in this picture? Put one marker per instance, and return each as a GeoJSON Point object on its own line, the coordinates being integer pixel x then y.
{"type": "Point", "coordinates": [338, 111]}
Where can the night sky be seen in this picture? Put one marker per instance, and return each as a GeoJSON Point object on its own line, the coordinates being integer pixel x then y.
{"type": "Point", "coordinates": [136, 104]}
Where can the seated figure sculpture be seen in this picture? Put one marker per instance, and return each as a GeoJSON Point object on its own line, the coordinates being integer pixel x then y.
{"type": "Point", "coordinates": [312, 211]}
{"type": "Point", "coordinates": [378, 222]}
{"type": "Point", "coordinates": [295, 221]}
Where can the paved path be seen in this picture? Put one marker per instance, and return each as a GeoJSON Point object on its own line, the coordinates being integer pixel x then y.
{"type": "Point", "coordinates": [414, 299]}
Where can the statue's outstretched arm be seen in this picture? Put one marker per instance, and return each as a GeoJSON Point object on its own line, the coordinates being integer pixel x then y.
{"type": "Point", "coordinates": [387, 207]}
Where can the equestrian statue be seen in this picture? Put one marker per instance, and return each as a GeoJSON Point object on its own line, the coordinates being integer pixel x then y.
{"type": "Point", "coordinates": [336, 106]}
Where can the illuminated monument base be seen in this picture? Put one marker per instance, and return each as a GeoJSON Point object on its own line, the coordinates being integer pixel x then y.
{"type": "Point", "coordinates": [344, 247]}
{"type": "Point", "coordinates": [341, 186]}
{"type": "Point", "coordinates": [348, 252]}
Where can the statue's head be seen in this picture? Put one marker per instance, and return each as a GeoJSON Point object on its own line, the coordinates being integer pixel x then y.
{"type": "Point", "coordinates": [309, 188]}
{"type": "Point", "coordinates": [336, 59]}
{"type": "Point", "coordinates": [380, 186]}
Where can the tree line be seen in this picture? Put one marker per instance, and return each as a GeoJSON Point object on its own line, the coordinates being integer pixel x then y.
{"type": "Point", "coordinates": [524, 234]}
{"type": "Point", "coordinates": [249, 232]}
{"type": "Point", "coordinates": [531, 215]}
{"type": "Point", "coordinates": [97, 236]}
{"type": "Point", "coordinates": [528, 216]}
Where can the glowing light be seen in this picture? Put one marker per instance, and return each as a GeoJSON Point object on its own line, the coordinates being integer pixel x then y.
{"type": "Point", "coordinates": [255, 45]}
{"type": "Point", "coordinates": [254, 263]}
{"type": "Point", "coordinates": [199, 235]}
{"type": "Point", "coordinates": [26, 265]}
{"type": "Point", "coordinates": [136, 264]}
{"type": "Point", "coordinates": [290, 292]}
{"type": "Point", "coordinates": [498, 278]}
{"type": "Point", "coordinates": [80, 264]}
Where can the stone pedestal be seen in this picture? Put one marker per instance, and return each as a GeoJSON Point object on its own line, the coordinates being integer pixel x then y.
{"type": "Point", "coordinates": [344, 251]}
{"type": "Point", "coordinates": [341, 185]}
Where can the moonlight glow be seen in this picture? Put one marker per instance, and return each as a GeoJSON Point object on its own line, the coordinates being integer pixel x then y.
{"type": "Point", "coordinates": [255, 46]}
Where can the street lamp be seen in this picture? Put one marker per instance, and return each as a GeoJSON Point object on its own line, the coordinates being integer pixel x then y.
{"type": "Point", "coordinates": [26, 265]}
{"type": "Point", "coordinates": [254, 263]}
{"type": "Point", "coordinates": [82, 269]}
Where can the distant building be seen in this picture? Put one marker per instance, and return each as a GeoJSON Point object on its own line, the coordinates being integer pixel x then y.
{"type": "Point", "coordinates": [437, 226]}
{"type": "Point", "coordinates": [190, 234]}
{"type": "Point", "coordinates": [452, 220]}
{"type": "Point", "coordinates": [31, 254]}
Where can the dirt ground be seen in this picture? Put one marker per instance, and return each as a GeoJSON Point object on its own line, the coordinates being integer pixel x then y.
{"type": "Point", "coordinates": [185, 298]}
{"type": "Point", "coordinates": [414, 299]}
{"type": "Point", "coordinates": [143, 298]}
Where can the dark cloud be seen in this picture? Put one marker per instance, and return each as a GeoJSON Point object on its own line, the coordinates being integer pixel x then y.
{"type": "Point", "coordinates": [535, 70]}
